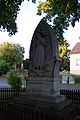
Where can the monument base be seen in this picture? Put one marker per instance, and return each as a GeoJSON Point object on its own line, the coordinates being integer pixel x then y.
{"type": "Point", "coordinates": [41, 108]}
{"type": "Point", "coordinates": [44, 87]}
{"type": "Point", "coordinates": [42, 96]}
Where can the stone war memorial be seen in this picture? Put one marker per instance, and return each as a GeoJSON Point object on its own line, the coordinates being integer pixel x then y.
{"type": "Point", "coordinates": [44, 62]}
{"type": "Point", "coordinates": [44, 58]}
{"type": "Point", "coordinates": [42, 90]}
{"type": "Point", "coordinates": [42, 98]}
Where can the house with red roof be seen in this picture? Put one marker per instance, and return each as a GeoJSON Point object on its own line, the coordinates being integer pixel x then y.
{"type": "Point", "coordinates": [75, 59]}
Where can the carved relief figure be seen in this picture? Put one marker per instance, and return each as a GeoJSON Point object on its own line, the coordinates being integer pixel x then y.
{"type": "Point", "coordinates": [41, 52]}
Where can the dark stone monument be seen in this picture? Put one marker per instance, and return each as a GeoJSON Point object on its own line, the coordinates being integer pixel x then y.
{"type": "Point", "coordinates": [44, 64]}
{"type": "Point", "coordinates": [42, 90]}
{"type": "Point", "coordinates": [44, 57]}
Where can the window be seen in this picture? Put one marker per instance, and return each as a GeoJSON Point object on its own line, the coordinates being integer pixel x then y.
{"type": "Point", "coordinates": [78, 62]}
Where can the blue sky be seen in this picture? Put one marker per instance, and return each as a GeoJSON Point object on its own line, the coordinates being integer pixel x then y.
{"type": "Point", "coordinates": [27, 21]}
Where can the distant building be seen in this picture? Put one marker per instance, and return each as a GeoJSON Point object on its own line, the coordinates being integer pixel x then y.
{"type": "Point", "coordinates": [75, 59]}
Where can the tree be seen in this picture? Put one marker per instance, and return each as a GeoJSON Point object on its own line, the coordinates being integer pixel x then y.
{"type": "Point", "coordinates": [64, 55]}
{"type": "Point", "coordinates": [9, 10]}
{"type": "Point", "coordinates": [15, 80]}
{"type": "Point", "coordinates": [8, 14]}
{"type": "Point", "coordinates": [63, 13]}
{"type": "Point", "coordinates": [4, 67]}
{"type": "Point", "coordinates": [10, 51]}
{"type": "Point", "coordinates": [63, 48]}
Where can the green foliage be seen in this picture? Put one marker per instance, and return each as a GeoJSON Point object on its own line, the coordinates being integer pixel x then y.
{"type": "Point", "coordinates": [63, 48]}
{"type": "Point", "coordinates": [64, 53]}
{"type": "Point", "coordinates": [4, 67]}
{"type": "Point", "coordinates": [9, 9]}
{"type": "Point", "coordinates": [77, 78]}
{"type": "Point", "coordinates": [14, 80]}
{"type": "Point", "coordinates": [65, 64]}
{"type": "Point", "coordinates": [62, 12]}
{"type": "Point", "coordinates": [8, 14]}
{"type": "Point", "coordinates": [10, 50]}
{"type": "Point", "coordinates": [18, 53]}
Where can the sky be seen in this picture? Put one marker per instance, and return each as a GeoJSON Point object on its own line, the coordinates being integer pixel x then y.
{"type": "Point", "coordinates": [27, 22]}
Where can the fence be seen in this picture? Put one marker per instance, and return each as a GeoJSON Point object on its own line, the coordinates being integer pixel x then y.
{"type": "Point", "coordinates": [22, 112]}
{"type": "Point", "coordinates": [18, 112]}
{"type": "Point", "coordinates": [74, 95]}
{"type": "Point", "coordinates": [8, 94]}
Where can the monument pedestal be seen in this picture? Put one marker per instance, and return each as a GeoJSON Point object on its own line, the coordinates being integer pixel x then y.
{"type": "Point", "coordinates": [42, 96]}
{"type": "Point", "coordinates": [44, 87]}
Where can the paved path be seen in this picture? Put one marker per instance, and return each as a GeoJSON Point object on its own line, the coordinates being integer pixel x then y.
{"type": "Point", "coordinates": [4, 83]}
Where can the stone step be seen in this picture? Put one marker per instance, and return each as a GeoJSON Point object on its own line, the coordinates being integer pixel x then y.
{"type": "Point", "coordinates": [42, 105]}
{"type": "Point", "coordinates": [40, 101]}
{"type": "Point", "coordinates": [47, 104]}
{"type": "Point", "coordinates": [55, 99]}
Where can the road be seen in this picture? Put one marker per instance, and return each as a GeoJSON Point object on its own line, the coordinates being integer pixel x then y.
{"type": "Point", "coordinates": [4, 84]}
{"type": "Point", "coordinates": [68, 87]}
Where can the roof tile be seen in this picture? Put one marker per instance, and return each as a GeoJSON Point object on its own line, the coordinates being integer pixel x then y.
{"type": "Point", "coordinates": [76, 49]}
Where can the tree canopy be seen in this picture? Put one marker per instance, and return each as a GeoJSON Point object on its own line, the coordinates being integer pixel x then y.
{"type": "Point", "coordinates": [63, 49]}
{"type": "Point", "coordinates": [9, 10]}
{"type": "Point", "coordinates": [64, 53]}
{"type": "Point", "coordinates": [8, 14]}
{"type": "Point", "coordinates": [63, 13]}
{"type": "Point", "coordinates": [11, 52]}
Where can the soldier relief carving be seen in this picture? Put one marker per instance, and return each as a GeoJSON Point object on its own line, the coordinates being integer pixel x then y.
{"type": "Point", "coordinates": [41, 54]}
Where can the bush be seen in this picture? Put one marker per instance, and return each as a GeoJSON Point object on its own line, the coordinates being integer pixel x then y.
{"type": "Point", "coordinates": [14, 80]}
{"type": "Point", "coordinates": [77, 78]}
{"type": "Point", "coordinates": [4, 67]}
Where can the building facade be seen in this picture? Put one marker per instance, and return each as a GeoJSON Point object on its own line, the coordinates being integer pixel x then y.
{"type": "Point", "coordinates": [75, 59]}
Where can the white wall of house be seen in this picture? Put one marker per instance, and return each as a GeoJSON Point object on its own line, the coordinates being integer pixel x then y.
{"type": "Point", "coordinates": [75, 63]}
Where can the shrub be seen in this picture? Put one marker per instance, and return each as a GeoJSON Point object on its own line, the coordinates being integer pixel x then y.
{"type": "Point", "coordinates": [14, 80]}
{"type": "Point", "coordinates": [77, 78]}
{"type": "Point", "coordinates": [4, 67]}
